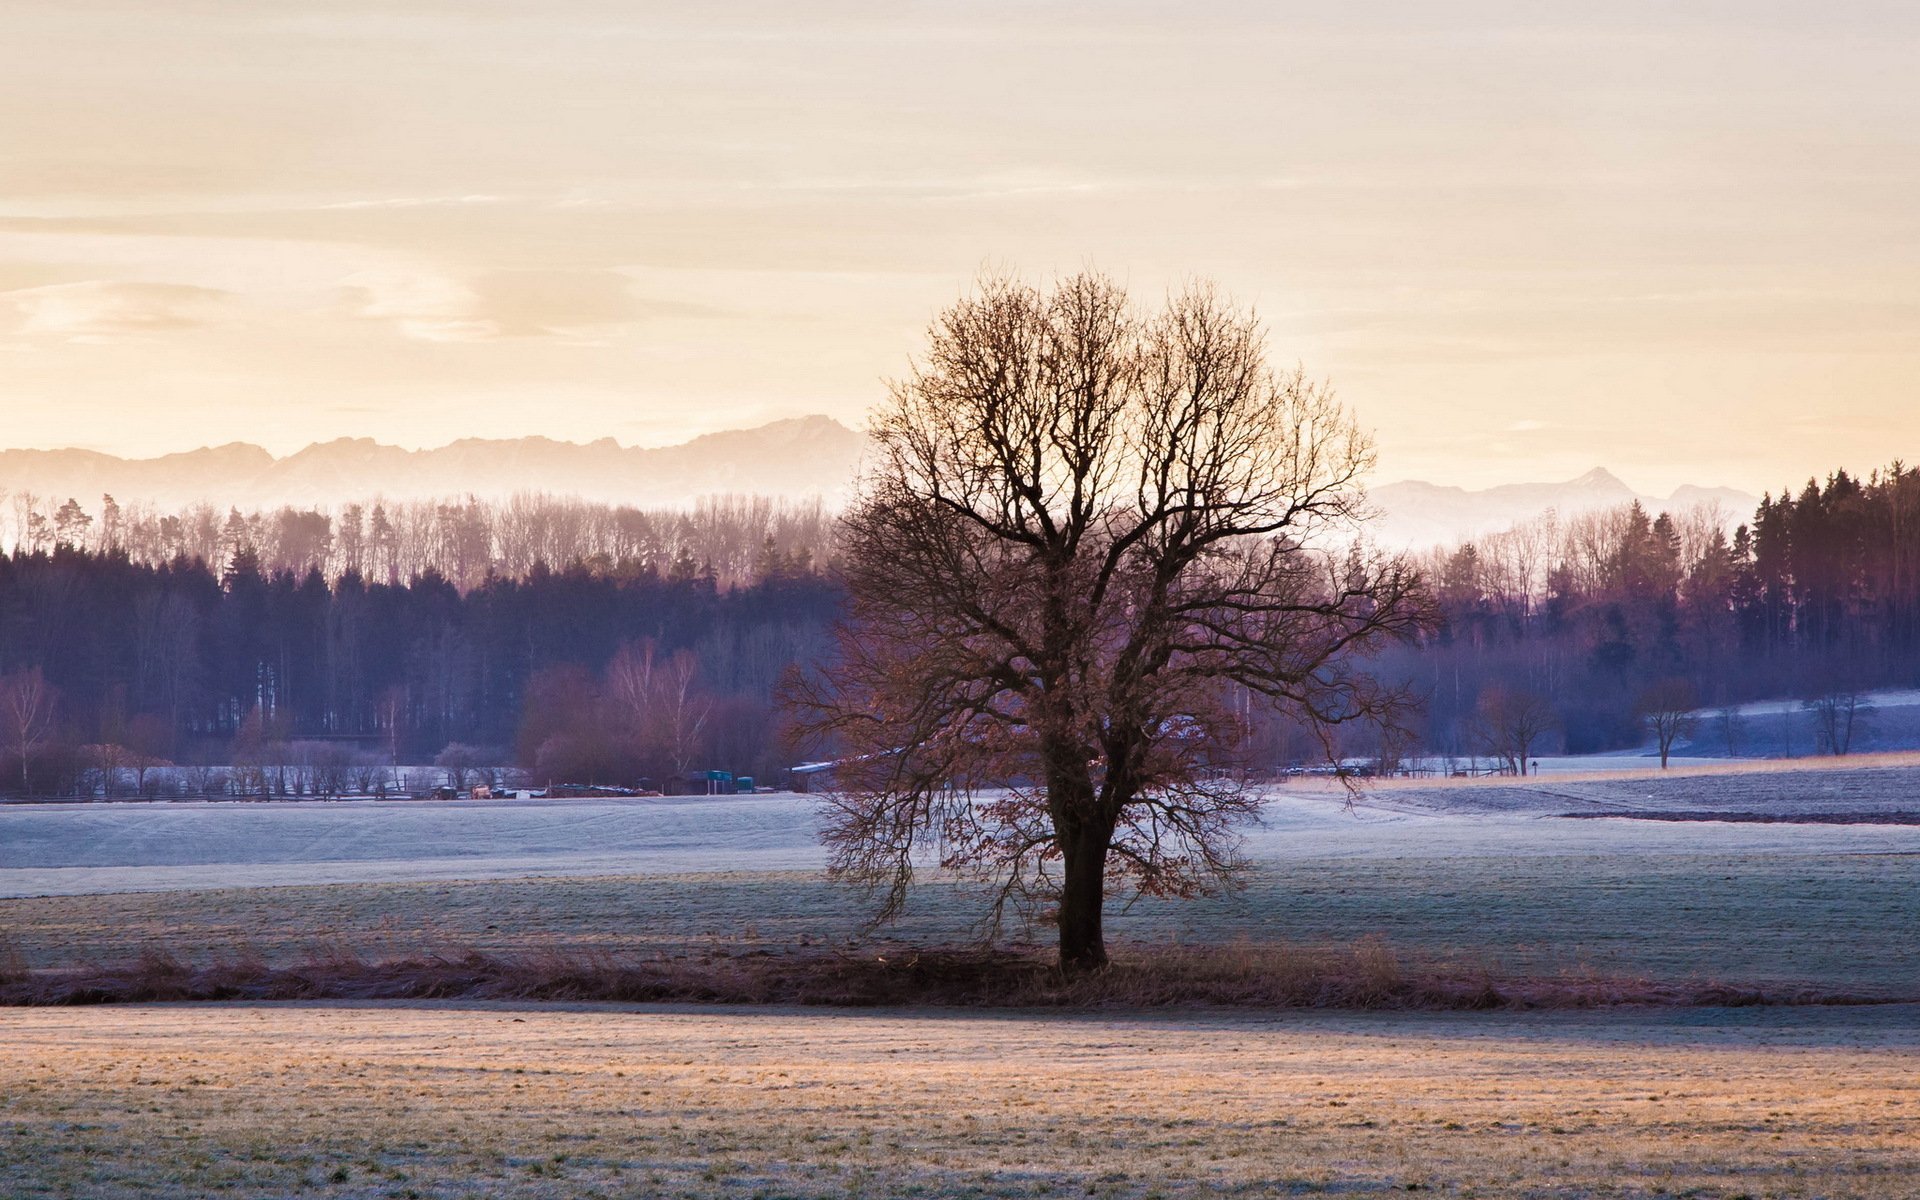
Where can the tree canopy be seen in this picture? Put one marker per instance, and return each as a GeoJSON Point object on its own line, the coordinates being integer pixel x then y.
{"type": "Point", "coordinates": [1086, 531]}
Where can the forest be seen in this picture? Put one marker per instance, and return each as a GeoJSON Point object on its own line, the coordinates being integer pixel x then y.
{"type": "Point", "coordinates": [1603, 621]}
{"type": "Point", "coordinates": [631, 669]}
{"type": "Point", "coordinates": [334, 642]}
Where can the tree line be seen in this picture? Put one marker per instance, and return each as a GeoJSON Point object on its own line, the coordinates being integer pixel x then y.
{"type": "Point", "coordinates": [1597, 630]}
{"type": "Point", "coordinates": [735, 539]}
{"type": "Point", "coordinates": [641, 658]}
{"type": "Point", "coordinates": [595, 672]}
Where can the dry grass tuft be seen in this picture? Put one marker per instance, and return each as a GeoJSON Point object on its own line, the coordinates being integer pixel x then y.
{"type": "Point", "coordinates": [1367, 975]}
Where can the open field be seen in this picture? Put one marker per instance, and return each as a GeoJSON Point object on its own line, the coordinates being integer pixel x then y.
{"type": "Point", "coordinates": [446, 1101]}
{"type": "Point", "coordinates": [1883, 783]}
{"type": "Point", "coordinates": [1841, 919]}
{"type": "Point", "coordinates": [1480, 873]}
{"type": "Point", "coordinates": [51, 849]}
{"type": "Point", "coordinates": [454, 1100]}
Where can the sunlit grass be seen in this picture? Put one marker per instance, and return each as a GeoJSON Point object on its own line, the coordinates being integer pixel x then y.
{"type": "Point", "coordinates": [500, 1101]}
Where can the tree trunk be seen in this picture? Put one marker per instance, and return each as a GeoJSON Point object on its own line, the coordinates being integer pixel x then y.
{"type": "Point", "coordinates": [1083, 944]}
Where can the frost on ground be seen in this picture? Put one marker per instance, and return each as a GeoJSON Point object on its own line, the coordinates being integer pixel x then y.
{"type": "Point", "coordinates": [78, 848]}
{"type": "Point", "coordinates": [444, 1101]}
{"type": "Point", "coordinates": [1841, 920]}
{"type": "Point", "coordinates": [429, 1100]}
{"type": "Point", "coordinates": [1887, 784]}
{"type": "Point", "coordinates": [91, 848]}
{"type": "Point", "coordinates": [1486, 871]}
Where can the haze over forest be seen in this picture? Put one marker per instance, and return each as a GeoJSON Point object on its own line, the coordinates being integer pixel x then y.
{"type": "Point", "coordinates": [813, 457]}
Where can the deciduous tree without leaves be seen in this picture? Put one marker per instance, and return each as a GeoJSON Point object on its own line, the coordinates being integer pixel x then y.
{"type": "Point", "coordinates": [1083, 527]}
{"type": "Point", "coordinates": [26, 705]}
{"type": "Point", "coordinates": [1509, 724]}
{"type": "Point", "coordinates": [1667, 708]}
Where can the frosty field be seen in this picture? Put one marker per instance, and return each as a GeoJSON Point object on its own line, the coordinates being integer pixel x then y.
{"type": "Point", "coordinates": [52, 849]}
{"type": "Point", "coordinates": [452, 1101]}
{"type": "Point", "coordinates": [1485, 871]}
{"type": "Point", "coordinates": [431, 1099]}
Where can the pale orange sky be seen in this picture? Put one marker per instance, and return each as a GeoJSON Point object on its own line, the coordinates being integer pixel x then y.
{"type": "Point", "coordinates": [1680, 240]}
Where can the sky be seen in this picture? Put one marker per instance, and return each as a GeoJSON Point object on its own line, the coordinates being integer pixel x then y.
{"type": "Point", "coordinates": [1680, 240]}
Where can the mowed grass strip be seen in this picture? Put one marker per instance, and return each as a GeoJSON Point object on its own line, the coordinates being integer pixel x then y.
{"type": "Point", "coordinates": [445, 1101]}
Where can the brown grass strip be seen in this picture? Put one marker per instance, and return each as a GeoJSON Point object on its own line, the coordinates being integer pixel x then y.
{"type": "Point", "coordinates": [1366, 975]}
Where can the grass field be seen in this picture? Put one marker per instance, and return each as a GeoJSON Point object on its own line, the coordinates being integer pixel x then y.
{"type": "Point", "coordinates": [446, 1101]}
{"type": "Point", "coordinates": [475, 1099]}
{"type": "Point", "coordinates": [1842, 920]}
{"type": "Point", "coordinates": [1470, 871]}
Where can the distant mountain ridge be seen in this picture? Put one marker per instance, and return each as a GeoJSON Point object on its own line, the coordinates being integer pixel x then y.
{"type": "Point", "coordinates": [796, 458]}
{"type": "Point", "coordinates": [1416, 513]}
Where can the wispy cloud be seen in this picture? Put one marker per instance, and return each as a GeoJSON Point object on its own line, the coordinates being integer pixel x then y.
{"type": "Point", "coordinates": [103, 310]}
{"type": "Point", "coordinates": [577, 305]}
{"type": "Point", "coordinates": [420, 305]}
{"type": "Point", "coordinates": [419, 202]}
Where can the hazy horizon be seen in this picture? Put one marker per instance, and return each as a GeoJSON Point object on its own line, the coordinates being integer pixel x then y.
{"type": "Point", "coordinates": [1519, 239]}
{"type": "Point", "coordinates": [1597, 468]}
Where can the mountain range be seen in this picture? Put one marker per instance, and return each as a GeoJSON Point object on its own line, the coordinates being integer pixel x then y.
{"type": "Point", "coordinates": [1415, 513]}
{"type": "Point", "coordinates": [798, 458]}
{"type": "Point", "coordinates": [793, 459]}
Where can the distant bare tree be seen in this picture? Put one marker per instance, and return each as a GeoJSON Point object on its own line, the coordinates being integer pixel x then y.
{"type": "Point", "coordinates": [327, 766]}
{"type": "Point", "coordinates": [461, 762]}
{"type": "Point", "coordinates": [204, 780]}
{"type": "Point", "coordinates": [682, 709]}
{"type": "Point", "coordinates": [1837, 714]}
{"type": "Point", "coordinates": [633, 679]}
{"type": "Point", "coordinates": [1732, 727]}
{"type": "Point", "coordinates": [1509, 723]}
{"type": "Point", "coordinates": [1667, 708]}
{"type": "Point", "coordinates": [369, 776]}
{"type": "Point", "coordinates": [104, 762]}
{"type": "Point", "coordinates": [26, 706]}
{"type": "Point", "coordinates": [148, 738]}
{"type": "Point", "coordinates": [259, 754]}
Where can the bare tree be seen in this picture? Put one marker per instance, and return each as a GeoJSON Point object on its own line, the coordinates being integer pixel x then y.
{"type": "Point", "coordinates": [1082, 526]}
{"type": "Point", "coordinates": [204, 780]}
{"type": "Point", "coordinates": [369, 776]}
{"type": "Point", "coordinates": [1733, 727]}
{"type": "Point", "coordinates": [681, 709]}
{"type": "Point", "coordinates": [328, 763]}
{"type": "Point", "coordinates": [461, 762]}
{"type": "Point", "coordinates": [259, 744]}
{"type": "Point", "coordinates": [1508, 724]}
{"type": "Point", "coordinates": [26, 705]}
{"type": "Point", "coordinates": [633, 679]}
{"type": "Point", "coordinates": [659, 706]}
{"type": "Point", "coordinates": [1837, 713]}
{"type": "Point", "coordinates": [1667, 709]}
